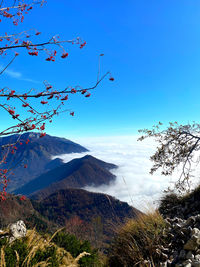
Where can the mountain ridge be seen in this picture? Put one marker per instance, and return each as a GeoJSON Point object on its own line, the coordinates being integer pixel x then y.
{"type": "Point", "coordinates": [77, 173]}
{"type": "Point", "coordinates": [36, 155]}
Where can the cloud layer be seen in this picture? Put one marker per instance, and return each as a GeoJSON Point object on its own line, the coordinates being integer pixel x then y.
{"type": "Point", "coordinates": [134, 184]}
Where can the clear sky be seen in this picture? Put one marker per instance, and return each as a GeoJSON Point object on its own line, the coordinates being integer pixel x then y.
{"type": "Point", "coordinates": [151, 47]}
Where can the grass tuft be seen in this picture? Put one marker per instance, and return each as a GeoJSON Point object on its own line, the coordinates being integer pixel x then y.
{"type": "Point", "coordinates": [137, 242]}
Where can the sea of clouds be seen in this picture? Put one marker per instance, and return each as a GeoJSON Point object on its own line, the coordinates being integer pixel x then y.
{"type": "Point", "coordinates": [133, 184]}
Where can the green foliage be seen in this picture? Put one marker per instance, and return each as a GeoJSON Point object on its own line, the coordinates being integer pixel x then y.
{"type": "Point", "coordinates": [63, 250]}
{"type": "Point", "coordinates": [71, 244]}
{"type": "Point", "coordinates": [43, 255]}
{"type": "Point", "coordinates": [10, 255]}
{"type": "Point", "coordinates": [20, 246]}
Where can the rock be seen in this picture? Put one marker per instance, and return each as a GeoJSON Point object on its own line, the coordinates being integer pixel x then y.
{"type": "Point", "coordinates": [197, 257]}
{"type": "Point", "coordinates": [163, 264]}
{"type": "Point", "coordinates": [182, 254]}
{"type": "Point", "coordinates": [190, 220]}
{"type": "Point", "coordinates": [185, 264]}
{"type": "Point", "coordinates": [17, 230]}
{"type": "Point", "coordinates": [177, 226]}
{"type": "Point", "coordinates": [189, 255]}
{"type": "Point", "coordinates": [193, 243]}
{"type": "Point", "coordinates": [164, 256]}
{"type": "Point", "coordinates": [196, 263]}
{"type": "Point", "coordinates": [196, 232]}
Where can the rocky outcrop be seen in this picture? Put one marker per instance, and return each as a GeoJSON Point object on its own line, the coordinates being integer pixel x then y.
{"type": "Point", "coordinates": [14, 231]}
{"type": "Point", "coordinates": [183, 207]}
{"type": "Point", "coordinates": [182, 216]}
{"type": "Point", "coordinates": [183, 248]}
{"type": "Point", "coordinates": [17, 230]}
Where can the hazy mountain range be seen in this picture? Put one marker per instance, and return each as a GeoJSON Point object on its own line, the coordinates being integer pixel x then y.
{"type": "Point", "coordinates": [55, 188]}
{"type": "Point", "coordinates": [77, 173]}
{"type": "Point", "coordinates": [36, 155]}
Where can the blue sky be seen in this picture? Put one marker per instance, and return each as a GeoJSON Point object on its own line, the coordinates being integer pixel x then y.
{"type": "Point", "coordinates": [151, 47]}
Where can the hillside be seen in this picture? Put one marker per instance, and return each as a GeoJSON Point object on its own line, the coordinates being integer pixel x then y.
{"type": "Point", "coordinates": [89, 207]}
{"type": "Point", "coordinates": [98, 214]}
{"type": "Point", "coordinates": [13, 209]}
{"type": "Point", "coordinates": [36, 155]}
{"type": "Point", "coordinates": [77, 173]}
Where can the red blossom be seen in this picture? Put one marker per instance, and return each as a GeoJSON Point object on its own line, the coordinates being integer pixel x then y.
{"type": "Point", "coordinates": [73, 91]}
{"type": "Point", "coordinates": [88, 95]}
{"type": "Point", "coordinates": [72, 113]}
{"type": "Point", "coordinates": [83, 92]}
{"type": "Point", "coordinates": [34, 53]}
{"type": "Point", "coordinates": [42, 127]}
{"type": "Point", "coordinates": [64, 55]}
{"type": "Point", "coordinates": [65, 98]}
{"type": "Point", "coordinates": [82, 45]}
{"type": "Point", "coordinates": [25, 96]}
{"type": "Point", "coordinates": [11, 111]}
{"type": "Point", "coordinates": [42, 134]}
{"type": "Point", "coordinates": [25, 105]}
{"type": "Point", "coordinates": [40, 94]}
{"type": "Point", "coordinates": [15, 116]}
{"type": "Point", "coordinates": [50, 97]}
{"type": "Point", "coordinates": [51, 58]}
{"type": "Point", "coordinates": [44, 102]}
{"type": "Point", "coordinates": [111, 79]}
{"type": "Point", "coordinates": [22, 198]}
{"type": "Point", "coordinates": [12, 93]}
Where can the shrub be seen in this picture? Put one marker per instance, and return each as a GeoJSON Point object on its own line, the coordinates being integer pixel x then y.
{"type": "Point", "coordinates": [76, 247]}
{"type": "Point", "coordinates": [35, 250]}
{"type": "Point", "coordinates": [137, 242]}
{"type": "Point", "coordinates": [167, 202]}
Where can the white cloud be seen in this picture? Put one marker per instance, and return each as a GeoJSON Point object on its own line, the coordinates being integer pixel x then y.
{"type": "Point", "coordinates": [13, 74]}
{"type": "Point", "coordinates": [134, 184]}
{"type": "Point", "coordinates": [17, 75]}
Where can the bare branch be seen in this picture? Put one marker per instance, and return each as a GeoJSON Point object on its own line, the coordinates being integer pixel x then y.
{"type": "Point", "coordinates": [178, 146]}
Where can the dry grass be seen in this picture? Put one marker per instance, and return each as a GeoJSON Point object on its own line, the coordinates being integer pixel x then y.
{"type": "Point", "coordinates": [35, 243]}
{"type": "Point", "coordinates": [138, 241]}
{"type": "Point", "coordinates": [3, 262]}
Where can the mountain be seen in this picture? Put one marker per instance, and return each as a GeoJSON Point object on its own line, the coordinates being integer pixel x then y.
{"type": "Point", "coordinates": [95, 216]}
{"type": "Point", "coordinates": [77, 173]}
{"type": "Point", "coordinates": [36, 154]}
{"type": "Point", "coordinates": [13, 209]}
{"type": "Point", "coordinates": [98, 210]}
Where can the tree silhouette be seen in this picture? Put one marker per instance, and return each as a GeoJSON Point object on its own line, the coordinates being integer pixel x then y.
{"type": "Point", "coordinates": [178, 146]}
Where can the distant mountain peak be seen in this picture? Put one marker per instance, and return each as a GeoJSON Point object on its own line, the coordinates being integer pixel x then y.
{"type": "Point", "coordinates": [77, 173]}
{"type": "Point", "coordinates": [37, 155]}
